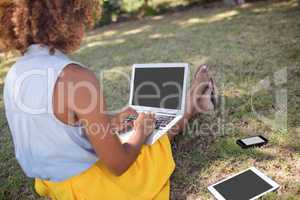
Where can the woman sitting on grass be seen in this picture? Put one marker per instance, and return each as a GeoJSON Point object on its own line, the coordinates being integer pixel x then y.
{"type": "Point", "coordinates": [56, 111]}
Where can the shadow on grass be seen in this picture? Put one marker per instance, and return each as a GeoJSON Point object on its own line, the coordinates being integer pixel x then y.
{"type": "Point", "coordinates": [14, 183]}
{"type": "Point", "coordinates": [243, 46]}
{"type": "Point", "coordinates": [171, 37]}
{"type": "Point", "coordinates": [153, 37]}
{"type": "Point", "coordinates": [212, 145]}
{"type": "Point", "coordinates": [196, 155]}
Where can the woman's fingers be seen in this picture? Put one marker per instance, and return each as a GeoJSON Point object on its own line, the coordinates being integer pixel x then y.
{"type": "Point", "coordinates": [149, 122]}
{"type": "Point", "coordinates": [131, 111]}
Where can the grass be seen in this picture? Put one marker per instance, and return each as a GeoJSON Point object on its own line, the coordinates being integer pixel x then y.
{"type": "Point", "coordinates": [243, 45]}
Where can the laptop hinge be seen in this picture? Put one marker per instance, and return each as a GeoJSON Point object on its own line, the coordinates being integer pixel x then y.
{"type": "Point", "coordinates": [174, 114]}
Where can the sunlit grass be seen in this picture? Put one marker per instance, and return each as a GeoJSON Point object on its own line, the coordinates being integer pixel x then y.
{"type": "Point", "coordinates": [206, 20]}
{"type": "Point", "coordinates": [235, 44]}
{"type": "Point", "coordinates": [4, 67]}
{"type": "Point", "coordinates": [243, 45]}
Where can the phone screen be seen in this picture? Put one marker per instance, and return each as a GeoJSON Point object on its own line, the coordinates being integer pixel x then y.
{"type": "Point", "coordinates": [252, 140]}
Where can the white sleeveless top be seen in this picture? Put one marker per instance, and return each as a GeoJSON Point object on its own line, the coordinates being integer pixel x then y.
{"type": "Point", "coordinates": [45, 147]}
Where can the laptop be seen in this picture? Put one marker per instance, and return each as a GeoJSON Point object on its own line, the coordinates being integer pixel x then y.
{"type": "Point", "coordinates": [161, 89]}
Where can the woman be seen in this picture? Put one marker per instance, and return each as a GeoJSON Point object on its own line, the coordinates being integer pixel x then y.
{"type": "Point", "coordinates": [56, 111]}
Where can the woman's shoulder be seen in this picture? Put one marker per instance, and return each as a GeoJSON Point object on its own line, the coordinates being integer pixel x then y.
{"type": "Point", "coordinates": [75, 72]}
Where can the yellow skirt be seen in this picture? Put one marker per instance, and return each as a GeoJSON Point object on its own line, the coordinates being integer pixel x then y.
{"type": "Point", "coordinates": [147, 178]}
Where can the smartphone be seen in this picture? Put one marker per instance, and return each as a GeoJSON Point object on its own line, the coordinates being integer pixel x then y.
{"type": "Point", "coordinates": [255, 141]}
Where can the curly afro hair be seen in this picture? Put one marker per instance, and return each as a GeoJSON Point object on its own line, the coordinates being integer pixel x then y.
{"type": "Point", "coordinates": [58, 24]}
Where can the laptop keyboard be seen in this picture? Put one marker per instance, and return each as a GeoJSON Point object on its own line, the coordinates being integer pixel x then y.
{"type": "Point", "coordinates": [161, 120]}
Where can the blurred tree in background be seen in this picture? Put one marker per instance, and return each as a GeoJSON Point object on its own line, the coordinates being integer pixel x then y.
{"type": "Point", "coordinates": [111, 9]}
{"type": "Point", "coordinates": [233, 2]}
{"type": "Point", "coordinates": [118, 10]}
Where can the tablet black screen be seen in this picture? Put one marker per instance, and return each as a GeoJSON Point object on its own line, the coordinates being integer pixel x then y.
{"type": "Point", "coordinates": [243, 186]}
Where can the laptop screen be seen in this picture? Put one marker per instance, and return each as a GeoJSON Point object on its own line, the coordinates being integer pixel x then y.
{"type": "Point", "coordinates": [158, 87]}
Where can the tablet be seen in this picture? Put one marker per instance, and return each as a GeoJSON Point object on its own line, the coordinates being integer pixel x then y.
{"type": "Point", "coordinates": [246, 185]}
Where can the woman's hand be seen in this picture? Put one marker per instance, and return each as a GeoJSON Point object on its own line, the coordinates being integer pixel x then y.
{"type": "Point", "coordinates": [119, 120]}
{"type": "Point", "coordinates": [127, 112]}
{"type": "Point", "coordinates": [144, 125]}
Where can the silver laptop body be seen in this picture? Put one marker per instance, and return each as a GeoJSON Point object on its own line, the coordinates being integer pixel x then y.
{"type": "Point", "coordinates": [162, 89]}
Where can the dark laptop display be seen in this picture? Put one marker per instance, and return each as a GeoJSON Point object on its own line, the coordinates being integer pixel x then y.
{"type": "Point", "coordinates": [158, 87]}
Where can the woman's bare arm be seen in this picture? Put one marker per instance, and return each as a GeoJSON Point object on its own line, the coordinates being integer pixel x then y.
{"type": "Point", "coordinates": [85, 99]}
